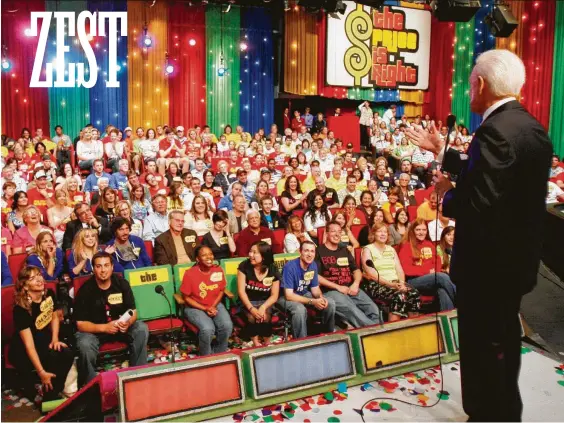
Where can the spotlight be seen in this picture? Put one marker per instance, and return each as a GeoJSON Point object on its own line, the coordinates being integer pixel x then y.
{"type": "Point", "coordinates": [501, 21]}
{"type": "Point", "coordinates": [147, 41]}
{"type": "Point", "coordinates": [27, 32]}
{"type": "Point", "coordinates": [169, 69]}
{"type": "Point", "coordinates": [243, 46]}
{"type": "Point", "coordinates": [221, 71]}
{"type": "Point", "coordinates": [192, 42]}
{"type": "Point", "coordinates": [6, 65]}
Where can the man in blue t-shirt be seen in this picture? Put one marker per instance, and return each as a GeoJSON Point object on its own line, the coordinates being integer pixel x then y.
{"type": "Point", "coordinates": [301, 288]}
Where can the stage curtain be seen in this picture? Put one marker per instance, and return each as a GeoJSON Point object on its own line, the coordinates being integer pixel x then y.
{"type": "Point", "coordinates": [538, 50]}
{"type": "Point", "coordinates": [69, 107]}
{"type": "Point", "coordinates": [438, 99]}
{"type": "Point", "coordinates": [411, 110]}
{"type": "Point", "coordinates": [257, 70]}
{"type": "Point", "coordinates": [557, 108]}
{"type": "Point", "coordinates": [187, 85]}
{"type": "Point", "coordinates": [109, 105]}
{"type": "Point", "coordinates": [483, 41]}
{"type": "Point", "coordinates": [223, 91]}
{"type": "Point", "coordinates": [147, 82]}
{"type": "Point", "coordinates": [323, 89]}
{"type": "Point", "coordinates": [412, 96]}
{"type": "Point", "coordinates": [22, 106]}
{"type": "Point", "coordinates": [463, 60]}
{"type": "Point", "coordinates": [300, 52]}
{"type": "Point", "coordinates": [514, 41]}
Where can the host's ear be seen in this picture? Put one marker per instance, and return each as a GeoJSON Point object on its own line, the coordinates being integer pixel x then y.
{"type": "Point", "coordinates": [482, 84]}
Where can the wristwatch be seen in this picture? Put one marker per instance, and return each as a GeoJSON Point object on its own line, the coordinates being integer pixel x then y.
{"type": "Point", "coordinates": [310, 302]}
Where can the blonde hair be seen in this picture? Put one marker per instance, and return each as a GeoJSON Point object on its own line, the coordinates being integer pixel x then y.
{"type": "Point", "coordinates": [78, 246]}
{"type": "Point", "coordinates": [37, 248]}
{"type": "Point", "coordinates": [291, 220]}
{"type": "Point", "coordinates": [375, 227]}
{"type": "Point", "coordinates": [193, 208]}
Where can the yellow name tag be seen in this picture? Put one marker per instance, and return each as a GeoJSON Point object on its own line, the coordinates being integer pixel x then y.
{"type": "Point", "coordinates": [190, 238]}
{"type": "Point", "coordinates": [223, 240]}
{"type": "Point", "coordinates": [329, 195]}
{"type": "Point", "coordinates": [308, 275]}
{"type": "Point", "coordinates": [345, 238]}
{"type": "Point", "coordinates": [342, 261]}
{"type": "Point", "coordinates": [426, 253]}
{"type": "Point", "coordinates": [47, 304]}
{"type": "Point", "coordinates": [43, 319]}
{"type": "Point", "coordinates": [114, 299]}
{"type": "Point", "coordinates": [216, 277]}
{"type": "Point", "coordinates": [268, 281]}
{"type": "Point", "coordinates": [356, 221]}
{"type": "Point", "coordinates": [4, 241]}
{"type": "Point", "coordinates": [267, 240]}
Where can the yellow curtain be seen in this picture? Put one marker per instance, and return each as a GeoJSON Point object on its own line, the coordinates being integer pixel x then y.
{"type": "Point", "coordinates": [412, 110]}
{"type": "Point", "coordinates": [412, 96]}
{"type": "Point", "coordinates": [300, 53]}
{"type": "Point", "coordinates": [148, 85]}
{"type": "Point", "coordinates": [515, 41]}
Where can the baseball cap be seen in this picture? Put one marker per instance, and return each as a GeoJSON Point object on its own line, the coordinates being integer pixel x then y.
{"type": "Point", "coordinates": [349, 145]}
{"type": "Point", "coordinates": [265, 170]}
{"type": "Point", "coordinates": [40, 174]}
{"type": "Point", "coordinates": [128, 128]}
{"type": "Point", "coordinates": [180, 128]}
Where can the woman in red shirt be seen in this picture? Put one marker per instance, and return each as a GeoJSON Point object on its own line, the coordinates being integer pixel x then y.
{"type": "Point", "coordinates": [202, 289]}
{"type": "Point", "coordinates": [419, 261]}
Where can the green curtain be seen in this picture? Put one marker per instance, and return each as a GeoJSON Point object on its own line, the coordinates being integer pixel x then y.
{"type": "Point", "coordinates": [68, 107]}
{"type": "Point", "coordinates": [556, 128]}
{"type": "Point", "coordinates": [223, 91]}
{"type": "Point", "coordinates": [463, 61]}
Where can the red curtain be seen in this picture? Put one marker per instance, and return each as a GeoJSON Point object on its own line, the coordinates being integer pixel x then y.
{"type": "Point", "coordinates": [22, 106]}
{"type": "Point", "coordinates": [187, 86]}
{"type": "Point", "coordinates": [438, 101]}
{"type": "Point", "coordinates": [538, 49]}
{"type": "Point", "coordinates": [322, 89]}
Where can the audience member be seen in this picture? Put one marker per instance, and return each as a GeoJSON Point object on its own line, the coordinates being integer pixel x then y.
{"type": "Point", "coordinates": [252, 233]}
{"type": "Point", "coordinates": [85, 219]}
{"type": "Point", "coordinates": [157, 221]}
{"type": "Point", "coordinates": [128, 250]}
{"type": "Point", "coordinates": [219, 238]}
{"type": "Point", "coordinates": [46, 256]}
{"type": "Point", "coordinates": [24, 238]}
{"type": "Point", "coordinates": [175, 246]}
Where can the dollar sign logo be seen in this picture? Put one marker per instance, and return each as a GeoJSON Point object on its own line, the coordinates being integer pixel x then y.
{"type": "Point", "coordinates": [358, 28]}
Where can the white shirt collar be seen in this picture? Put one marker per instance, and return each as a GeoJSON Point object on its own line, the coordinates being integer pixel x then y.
{"type": "Point", "coordinates": [495, 106]}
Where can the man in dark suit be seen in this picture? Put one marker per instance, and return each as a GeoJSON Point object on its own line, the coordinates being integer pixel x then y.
{"type": "Point", "coordinates": [85, 219]}
{"type": "Point", "coordinates": [498, 204]}
{"type": "Point", "coordinates": [175, 246]}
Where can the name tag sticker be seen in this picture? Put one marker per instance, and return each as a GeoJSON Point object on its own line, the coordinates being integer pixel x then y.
{"type": "Point", "coordinates": [223, 240]}
{"type": "Point", "coordinates": [309, 275]}
{"type": "Point", "coordinates": [47, 304]}
{"type": "Point", "coordinates": [216, 276]}
{"type": "Point", "coordinates": [43, 319]}
{"type": "Point", "coordinates": [386, 183]}
{"type": "Point", "coordinates": [115, 298]}
{"type": "Point", "coordinates": [329, 195]}
{"type": "Point", "coordinates": [268, 281]}
{"type": "Point", "coordinates": [342, 261]}
{"type": "Point", "coordinates": [345, 238]}
{"type": "Point", "coordinates": [190, 238]}
{"type": "Point", "coordinates": [356, 221]}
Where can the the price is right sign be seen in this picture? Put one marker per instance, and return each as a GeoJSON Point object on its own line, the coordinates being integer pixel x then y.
{"type": "Point", "coordinates": [386, 48]}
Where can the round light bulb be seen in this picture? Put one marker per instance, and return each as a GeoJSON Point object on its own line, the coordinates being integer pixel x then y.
{"type": "Point", "coordinates": [243, 46]}
{"type": "Point", "coordinates": [169, 68]}
{"type": "Point", "coordinates": [148, 41]}
{"type": "Point", "coordinates": [192, 42]}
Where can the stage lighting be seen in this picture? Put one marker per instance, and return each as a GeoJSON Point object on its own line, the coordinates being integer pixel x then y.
{"type": "Point", "coordinates": [501, 21]}
{"type": "Point", "coordinates": [147, 41]}
{"type": "Point", "coordinates": [6, 65]}
{"type": "Point", "coordinates": [192, 42]}
{"type": "Point", "coordinates": [169, 69]}
{"type": "Point", "coordinates": [243, 46]}
{"type": "Point", "coordinates": [454, 10]}
{"type": "Point", "coordinates": [221, 71]}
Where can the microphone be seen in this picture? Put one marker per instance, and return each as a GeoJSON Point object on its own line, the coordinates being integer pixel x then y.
{"type": "Point", "coordinates": [451, 125]}
{"type": "Point", "coordinates": [370, 264]}
{"type": "Point", "coordinates": [159, 289]}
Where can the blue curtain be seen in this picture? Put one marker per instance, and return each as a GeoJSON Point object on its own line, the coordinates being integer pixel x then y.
{"type": "Point", "coordinates": [483, 41]}
{"type": "Point", "coordinates": [109, 105]}
{"type": "Point", "coordinates": [68, 107]}
{"type": "Point", "coordinates": [256, 104]}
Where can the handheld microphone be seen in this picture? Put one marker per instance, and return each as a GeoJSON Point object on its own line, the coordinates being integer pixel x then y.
{"type": "Point", "coordinates": [160, 290]}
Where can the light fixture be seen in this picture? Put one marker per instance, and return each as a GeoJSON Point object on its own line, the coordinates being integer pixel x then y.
{"type": "Point", "coordinates": [6, 65]}
{"type": "Point", "coordinates": [168, 67]}
{"type": "Point", "coordinates": [147, 41]}
{"type": "Point", "coordinates": [243, 46]}
{"type": "Point", "coordinates": [192, 42]}
{"type": "Point", "coordinates": [501, 21]}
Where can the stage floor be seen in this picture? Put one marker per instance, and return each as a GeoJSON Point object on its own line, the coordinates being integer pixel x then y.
{"type": "Point", "coordinates": [541, 382]}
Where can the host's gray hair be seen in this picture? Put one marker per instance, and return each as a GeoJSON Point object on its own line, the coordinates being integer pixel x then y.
{"type": "Point", "coordinates": [503, 71]}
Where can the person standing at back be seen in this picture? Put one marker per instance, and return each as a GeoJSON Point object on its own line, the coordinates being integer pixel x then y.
{"type": "Point", "coordinates": [505, 170]}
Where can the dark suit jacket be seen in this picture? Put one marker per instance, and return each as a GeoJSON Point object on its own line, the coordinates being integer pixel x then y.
{"type": "Point", "coordinates": [164, 251]}
{"type": "Point", "coordinates": [74, 226]}
{"type": "Point", "coordinates": [499, 202]}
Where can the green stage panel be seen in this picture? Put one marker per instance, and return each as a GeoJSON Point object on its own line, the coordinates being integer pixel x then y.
{"type": "Point", "coordinates": [151, 305]}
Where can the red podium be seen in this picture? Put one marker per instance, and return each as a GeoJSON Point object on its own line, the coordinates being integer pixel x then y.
{"type": "Point", "coordinates": [346, 128]}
